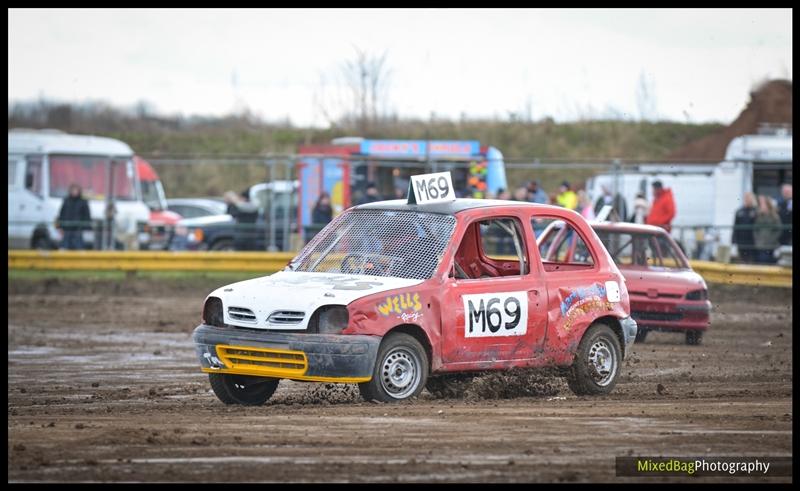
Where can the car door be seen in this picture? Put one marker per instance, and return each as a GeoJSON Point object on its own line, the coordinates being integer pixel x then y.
{"type": "Point", "coordinates": [493, 303]}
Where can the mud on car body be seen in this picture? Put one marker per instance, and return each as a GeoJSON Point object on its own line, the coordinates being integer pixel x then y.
{"type": "Point", "coordinates": [391, 294]}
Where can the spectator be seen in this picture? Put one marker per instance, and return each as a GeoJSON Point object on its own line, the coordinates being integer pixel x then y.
{"type": "Point", "coordinates": [535, 193]}
{"type": "Point", "coordinates": [585, 205]}
{"type": "Point", "coordinates": [619, 210]}
{"type": "Point", "coordinates": [785, 212]}
{"type": "Point", "coordinates": [663, 210]}
{"type": "Point", "coordinates": [322, 213]}
{"type": "Point", "coordinates": [743, 223]}
{"type": "Point", "coordinates": [399, 193]}
{"type": "Point", "coordinates": [640, 209]}
{"type": "Point", "coordinates": [504, 194]}
{"type": "Point", "coordinates": [567, 197]}
{"type": "Point", "coordinates": [767, 231]}
{"type": "Point", "coordinates": [74, 218]}
{"type": "Point", "coordinates": [245, 214]}
{"type": "Point", "coordinates": [371, 194]}
{"type": "Point", "coordinates": [521, 194]}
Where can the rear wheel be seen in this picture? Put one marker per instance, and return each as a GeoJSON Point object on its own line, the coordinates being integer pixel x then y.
{"type": "Point", "coordinates": [597, 362]}
{"type": "Point", "coordinates": [242, 389]}
{"type": "Point", "coordinates": [400, 372]}
{"type": "Point", "coordinates": [694, 337]}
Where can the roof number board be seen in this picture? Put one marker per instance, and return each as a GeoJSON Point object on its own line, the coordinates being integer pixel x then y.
{"type": "Point", "coordinates": [431, 188]}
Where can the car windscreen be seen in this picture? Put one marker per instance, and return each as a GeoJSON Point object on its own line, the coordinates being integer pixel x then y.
{"type": "Point", "coordinates": [641, 249]}
{"type": "Point", "coordinates": [402, 244]}
{"type": "Point", "coordinates": [91, 173]}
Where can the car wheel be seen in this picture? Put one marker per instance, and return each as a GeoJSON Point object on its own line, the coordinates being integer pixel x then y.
{"type": "Point", "coordinates": [222, 245]}
{"type": "Point", "coordinates": [694, 337]}
{"type": "Point", "coordinates": [42, 242]}
{"type": "Point", "coordinates": [597, 362]}
{"type": "Point", "coordinates": [242, 389]}
{"type": "Point", "coordinates": [400, 372]}
{"type": "Point", "coordinates": [641, 335]}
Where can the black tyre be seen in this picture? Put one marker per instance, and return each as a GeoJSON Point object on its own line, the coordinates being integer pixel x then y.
{"type": "Point", "coordinates": [597, 362]}
{"type": "Point", "coordinates": [223, 245]}
{"type": "Point", "coordinates": [401, 370]}
{"type": "Point", "coordinates": [694, 337]}
{"type": "Point", "coordinates": [641, 335]}
{"type": "Point", "coordinates": [242, 389]}
{"type": "Point", "coordinates": [42, 242]}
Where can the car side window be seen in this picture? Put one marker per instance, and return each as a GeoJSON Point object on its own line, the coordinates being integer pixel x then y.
{"type": "Point", "coordinates": [490, 249]}
{"type": "Point", "coordinates": [562, 247]}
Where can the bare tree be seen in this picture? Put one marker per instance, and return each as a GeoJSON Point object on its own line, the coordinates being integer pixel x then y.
{"type": "Point", "coordinates": [646, 98]}
{"type": "Point", "coordinates": [364, 79]}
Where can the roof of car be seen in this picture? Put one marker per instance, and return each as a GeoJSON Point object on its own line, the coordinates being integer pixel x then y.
{"type": "Point", "coordinates": [449, 207]}
{"type": "Point", "coordinates": [628, 227]}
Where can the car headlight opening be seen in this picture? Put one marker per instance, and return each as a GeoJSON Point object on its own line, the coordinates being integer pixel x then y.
{"type": "Point", "coordinates": [332, 319]}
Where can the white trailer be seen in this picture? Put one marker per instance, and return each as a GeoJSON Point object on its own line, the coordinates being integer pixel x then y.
{"type": "Point", "coordinates": [41, 166]}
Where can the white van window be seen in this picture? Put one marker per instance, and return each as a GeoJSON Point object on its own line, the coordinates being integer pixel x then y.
{"type": "Point", "coordinates": [91, 174]}
{"type": "Point", "coordinates": [12, 172]}
{"type": "Point", "coordinates": [33, 175]}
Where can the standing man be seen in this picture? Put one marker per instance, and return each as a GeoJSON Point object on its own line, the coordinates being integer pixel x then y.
{"type": "Point", "coordinates": [663, 210]}
{"type": "Point", "coordinates": [74, 218]}
{"type": "Point", "coordinates": [536, 194]}
{"type": "Point", "coordinates": [371, 195]}
{"type": "Point", "coordinates": [743, 223]}
{"type": "Point", "coordinates": [619, 210]}
{"type": "Point", "coordinates": [785, 212]}
{"type": "Point", "coordinates": [567, 197]}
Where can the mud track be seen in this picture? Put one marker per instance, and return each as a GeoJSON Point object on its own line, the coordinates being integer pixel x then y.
{"type": "Point", "coordinates": [103, 386]}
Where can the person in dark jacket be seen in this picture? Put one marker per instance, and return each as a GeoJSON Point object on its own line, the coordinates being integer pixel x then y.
{"type": "Point", "coordinates": [245, 214]}
{"type": "Point", "coordinates": [371, 194]}
{"type": "Point", "coordinates": [785, 212]}
{"type": "Point", "coordinates": [743, 224]}
{"type": "Point", "coordinates": [619, 209]}
{"type": "Point", "coordinates": [322, 213]}
{"type": "Point", "coordinates": [74, 218]}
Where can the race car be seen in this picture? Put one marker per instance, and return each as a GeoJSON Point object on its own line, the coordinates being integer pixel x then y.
{"type": "Point", "coordinates": [665, 293]}
{"type": "Point", "coordinates": [394, 292]}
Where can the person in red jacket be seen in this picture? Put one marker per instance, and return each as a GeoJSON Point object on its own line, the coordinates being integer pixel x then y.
{"type": "Point", "coordinates": [663, 210]}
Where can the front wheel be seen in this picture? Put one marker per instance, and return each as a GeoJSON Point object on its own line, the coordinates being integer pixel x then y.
{"type": "Point", "coordinates": [242, 389]}
{"type": "Point", "coordinates": [400, 372]}
{"type": "Point", "coordinates": [694, 337]}
{"type": "Point", "coordinates": [597, 362]}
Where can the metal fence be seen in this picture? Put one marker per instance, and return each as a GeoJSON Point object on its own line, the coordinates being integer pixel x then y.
{"type": "Point", "coordinates": [277, 225]}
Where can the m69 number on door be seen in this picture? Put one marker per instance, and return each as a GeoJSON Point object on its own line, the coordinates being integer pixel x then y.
{"type": "Point", "coordinates": [495, 314]}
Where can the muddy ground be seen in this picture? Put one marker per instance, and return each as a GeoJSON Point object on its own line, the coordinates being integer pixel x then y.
{"type": "Point", "coordinates": [103, 385]}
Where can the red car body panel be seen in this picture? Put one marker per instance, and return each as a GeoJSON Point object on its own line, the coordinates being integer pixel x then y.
{"type": "Point", "coordinates": [562, 300]}
{"type": "Point", "coordinates": [658, 296]}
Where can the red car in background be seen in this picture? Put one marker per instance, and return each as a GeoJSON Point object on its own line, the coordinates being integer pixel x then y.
{"type": "Point", "coordinates": [161, 224]}
{"type": "Point", "coordinates": [665, 294]}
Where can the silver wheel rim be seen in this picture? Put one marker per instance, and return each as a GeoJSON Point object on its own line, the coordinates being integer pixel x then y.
{"type": "Point", "coordinates": [400, 373]}
{"type": "Point", "coordinates": [602, 362]}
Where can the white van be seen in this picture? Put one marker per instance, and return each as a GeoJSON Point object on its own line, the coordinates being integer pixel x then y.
{"type": "Point", "coordinates": [42, 164]}
{"type": "Point", "coordinates": [708, 195]}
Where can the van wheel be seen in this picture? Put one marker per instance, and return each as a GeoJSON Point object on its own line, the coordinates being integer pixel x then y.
{"type": "Point", "coordinates": [694, 337]}
{"type": "Point", "coordinates": [400, 372]}
{"type": "Point", "coordinates": [596, 366]}
{"type": "Point", "coordinates": [42, 242]}
{"type": "Point", "coordinates": [242, 389]}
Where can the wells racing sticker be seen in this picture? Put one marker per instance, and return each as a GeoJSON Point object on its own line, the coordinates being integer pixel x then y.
{"type": "Point", "coordinates": [495, 314]}
{"type": "Point", "coordinates": [596, 298]}
{"type": "Point", "coordinates": [406, 306]}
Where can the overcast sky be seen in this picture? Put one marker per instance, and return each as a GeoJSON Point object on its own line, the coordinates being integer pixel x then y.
{"type": "Point", "coordinates": [699, 64]}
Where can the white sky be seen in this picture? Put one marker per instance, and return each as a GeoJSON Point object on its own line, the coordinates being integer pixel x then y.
{"type": "Point", "coordinates": [563, 63]}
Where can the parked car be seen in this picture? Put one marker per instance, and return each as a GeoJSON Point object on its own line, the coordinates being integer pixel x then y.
{"type": "Point", "coordinates": [665, 294]}
{"type": "Point", "coordinates": [275, 212]}
{"type": "Point", "coordinates": [42, 164]}
{"type": "Point", "coordinates": [197, 207]}
{"type": "Point", "coordinates": [161, 224]}
{"type": "Point", "coordinates": [390, 294]}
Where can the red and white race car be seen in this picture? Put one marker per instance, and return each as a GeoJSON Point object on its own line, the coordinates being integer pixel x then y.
{"type": "Point", "coordinates": [392, 292]}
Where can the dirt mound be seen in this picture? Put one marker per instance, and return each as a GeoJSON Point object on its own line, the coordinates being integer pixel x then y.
{"type": "Point", "coordinates": [769, 103]}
